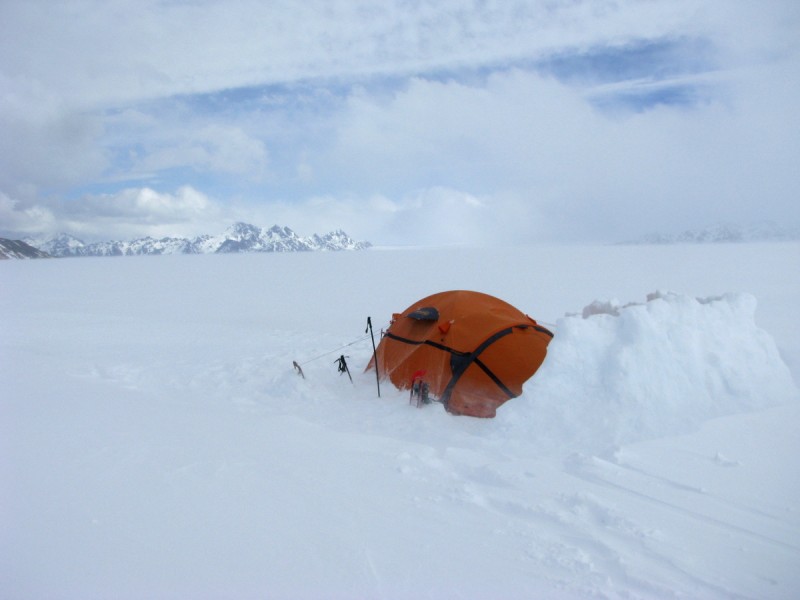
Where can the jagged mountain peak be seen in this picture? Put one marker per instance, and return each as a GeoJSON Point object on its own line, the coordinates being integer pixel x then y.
{"type": "Point", "coordinates": [60, 245]}
{"type": "Point", "coordinates": [241, 227]}
{"type": "Point", "coordinates": [19, 249]}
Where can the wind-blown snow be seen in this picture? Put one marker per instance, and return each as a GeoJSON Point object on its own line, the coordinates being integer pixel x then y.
{"type": "Point", "coordinates": [646, 370]}
{"type": "Point", "coordinates": [157, 443]}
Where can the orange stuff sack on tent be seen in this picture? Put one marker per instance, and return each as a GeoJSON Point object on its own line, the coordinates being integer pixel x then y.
{"type": "Point", "coordinates": [475, 351]}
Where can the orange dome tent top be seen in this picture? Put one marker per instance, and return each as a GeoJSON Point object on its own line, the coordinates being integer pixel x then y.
{"type": "Point", "coordinates": [473, 350]}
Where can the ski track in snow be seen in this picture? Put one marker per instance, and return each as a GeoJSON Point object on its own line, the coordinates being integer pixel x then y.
{"type": "Point", "coordinates": [147, 431]}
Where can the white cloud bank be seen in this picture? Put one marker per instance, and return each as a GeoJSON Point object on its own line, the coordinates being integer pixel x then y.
{"type": "Point", "coordinates": [129, 213]}
{"type": "Point", "coordinates": [445, 123]}
{"type": "Point", "coordinates": [213, 148]}
{"type": "Point", "coordinates": [124, 50]}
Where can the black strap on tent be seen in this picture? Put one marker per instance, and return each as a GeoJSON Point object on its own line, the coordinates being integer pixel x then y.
{"type": "Point", "coordinates": [461, 361]}
{"type": "Point", "coordinates": [389, 334]}
{"type": "Point", "coordinates": [543, 330]}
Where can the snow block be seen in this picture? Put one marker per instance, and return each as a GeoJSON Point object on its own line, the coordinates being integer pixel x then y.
{"type": "Point", "coordinates": [617, 374]}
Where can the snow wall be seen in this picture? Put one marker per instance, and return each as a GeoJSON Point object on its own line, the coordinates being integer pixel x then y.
{"type": "Point", "coordinates": [616, 374]}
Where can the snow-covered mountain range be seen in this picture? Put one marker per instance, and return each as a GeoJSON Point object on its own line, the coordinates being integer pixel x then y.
{"type": "Point", "coordinates": [240, 237]}
{"type": "Point", "coordinates": [758, 232]}
{"type": "Point", "coordinates": [19, 249]}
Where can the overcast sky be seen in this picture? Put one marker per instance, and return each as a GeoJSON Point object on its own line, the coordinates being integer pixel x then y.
{"type": "Point", "coordinates": [399, 121]}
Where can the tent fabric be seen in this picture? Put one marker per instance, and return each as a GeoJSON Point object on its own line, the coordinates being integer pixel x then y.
{"type": "Point", "coordinates": [475, 354]}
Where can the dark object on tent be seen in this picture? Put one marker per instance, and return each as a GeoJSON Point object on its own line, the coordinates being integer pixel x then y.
{"type": "Point", "coordinates": [476, 355]}
{"type": "Point", "coordinates": [426, 313]}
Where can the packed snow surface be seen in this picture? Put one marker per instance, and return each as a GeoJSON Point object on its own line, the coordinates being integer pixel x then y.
{"type": "Point", "coordinates": [156, 441]}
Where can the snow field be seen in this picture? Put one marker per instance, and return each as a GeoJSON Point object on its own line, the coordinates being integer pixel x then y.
{"type": "Point", "coordinates": [157, 442]}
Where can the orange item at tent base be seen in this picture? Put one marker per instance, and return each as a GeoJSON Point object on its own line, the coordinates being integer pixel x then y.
{"type": "Point", "coordinates": [476, 350]}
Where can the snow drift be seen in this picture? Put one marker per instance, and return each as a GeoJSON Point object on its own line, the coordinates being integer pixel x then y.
{"type": "Point", "coordinates": [622, 373]}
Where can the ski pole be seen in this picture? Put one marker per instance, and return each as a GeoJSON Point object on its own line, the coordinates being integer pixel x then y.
{"type": "Point", "coordinates": [374, 354]}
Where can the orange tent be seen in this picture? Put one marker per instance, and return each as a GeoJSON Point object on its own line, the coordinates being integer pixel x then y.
{"type": "Point", "coordinates": [473, 350]}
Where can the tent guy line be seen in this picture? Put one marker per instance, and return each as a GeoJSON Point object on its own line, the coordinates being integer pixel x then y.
{"type": "Point", "coordinates": [324, 354]}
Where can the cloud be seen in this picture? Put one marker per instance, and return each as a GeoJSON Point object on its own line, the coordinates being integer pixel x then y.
{"type": "Point", "coordinates": [132, 212]}
{"type": "Point", "coordinates": [45, 144]}
{"type": "Point", "coordinates": [215, 148]}
{"type": "Point", "coordinates": [446, 216]}
{"type": "Point", "coordinates": [514, 157]}
{"type": "Point", "coordinates": [590, 173]}
{"type": "Point", "coordinates": [515, 128]}
{"type": "Point", "coordinates": [123, 50]}
{"type": "Point", "coordinates": [18, 217]}
{"type": "Point", "coordinates": [426, 216]}
{"type": "Point", "coordinates": [562, 120]}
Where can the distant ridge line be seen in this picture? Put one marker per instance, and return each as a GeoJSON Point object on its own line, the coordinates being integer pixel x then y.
{"type": "Point", "coordinates": [238, 238]}
{"type": "Point", "coordinates": [722, 234]}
